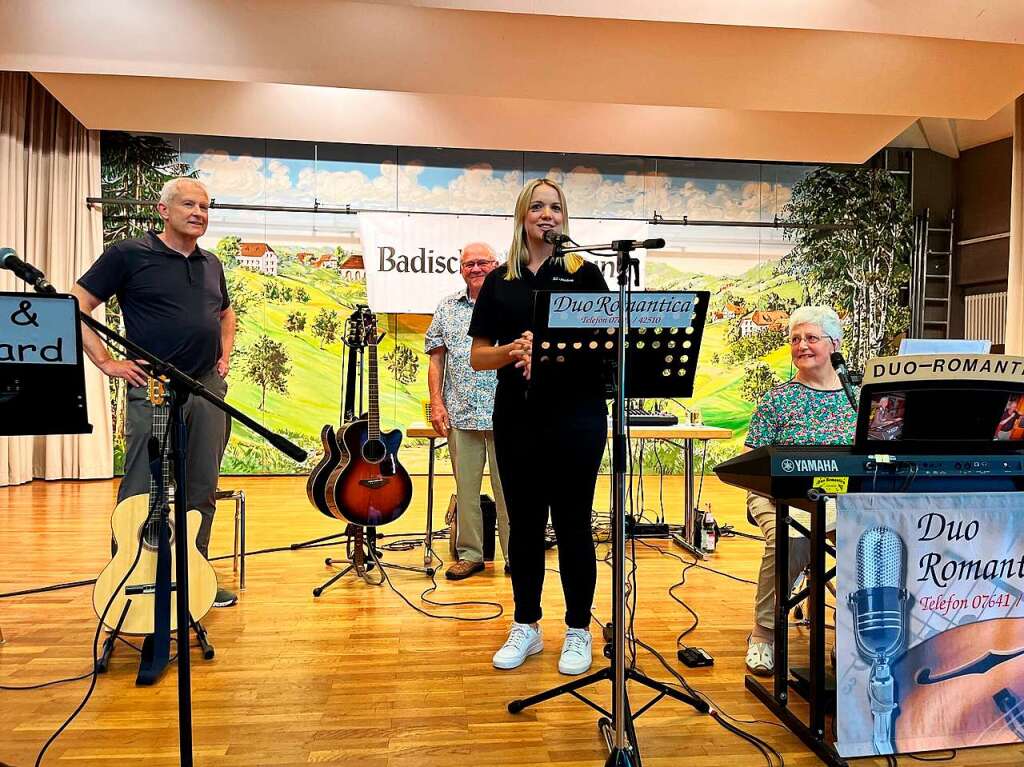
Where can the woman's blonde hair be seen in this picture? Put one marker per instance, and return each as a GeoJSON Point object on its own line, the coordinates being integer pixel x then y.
{"type": "Point", "coordinates": [519, 253]}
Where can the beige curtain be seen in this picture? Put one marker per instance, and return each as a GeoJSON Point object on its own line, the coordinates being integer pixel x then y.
{"type": "Point", "coordinates": [1015, 287]}
{"type": "Point", "coordinates": [49, 164]}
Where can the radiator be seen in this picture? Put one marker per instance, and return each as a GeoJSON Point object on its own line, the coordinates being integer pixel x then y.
{"type": "Point", "coordinates": [985, 317]}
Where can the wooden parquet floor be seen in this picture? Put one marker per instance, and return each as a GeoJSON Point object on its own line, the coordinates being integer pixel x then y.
{"type": "Point", "coordinates": [357, 676]}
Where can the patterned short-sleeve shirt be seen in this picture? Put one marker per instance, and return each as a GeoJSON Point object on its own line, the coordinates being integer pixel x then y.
{"type": "Point", "coordinates": [795, 414]}
{"type": "Point", "coordinates": [468, 394]}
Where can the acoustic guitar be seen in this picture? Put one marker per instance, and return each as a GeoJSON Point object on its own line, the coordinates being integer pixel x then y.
{"type": "Point", "coordinates": [137, 520]}
{"type": "Point", "coordinates": [334, 454]}
{"type": "Point", "coordinates": [372, 488]}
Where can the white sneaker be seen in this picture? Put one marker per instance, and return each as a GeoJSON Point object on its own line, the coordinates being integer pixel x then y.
{"type": "Point", "coordinates": [761, 658]}
{"type": "Point", "coordinates": [576, 652]}
{"type": "Point", "coordinates": [523, 641]}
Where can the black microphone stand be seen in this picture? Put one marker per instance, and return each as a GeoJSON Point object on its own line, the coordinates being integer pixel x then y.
{"type": "Point", "coordinates": [617, 726]}
{"type": "Point", "coordinates": [839, 365]}
{"type": "Point", "coordinates": [182, 386]}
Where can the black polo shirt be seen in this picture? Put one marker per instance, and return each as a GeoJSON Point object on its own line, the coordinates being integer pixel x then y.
{"type": "Point", "coordinates": [504, 310]}
{"type": "Point", "coordinates": [171, 303]}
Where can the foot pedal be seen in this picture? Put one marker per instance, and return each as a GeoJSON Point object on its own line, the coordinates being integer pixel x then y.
{"type": "Point", "coordinates": [695, 657]}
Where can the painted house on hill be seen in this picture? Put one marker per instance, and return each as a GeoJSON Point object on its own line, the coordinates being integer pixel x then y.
{"type": "Point", "coordinates": [257, 257]}
{"type": "Point", "coordinates": [758, 322]}
{"type": "Point", "coordinates": [352, 269]}
{"type": "Point", "coordinates": [728, 312]}
{"type": "Point", "coordinates": [731, 311]}
{"type": "Point", "coordinates": [304, 256]}
{"type": "Point", "coordinates": [325, 261]}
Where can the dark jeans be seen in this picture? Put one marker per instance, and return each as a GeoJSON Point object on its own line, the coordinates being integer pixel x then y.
{"type": "Point", "coordinates": [207, 438]}
{"type": "Point", "coordinates": [550, 462]}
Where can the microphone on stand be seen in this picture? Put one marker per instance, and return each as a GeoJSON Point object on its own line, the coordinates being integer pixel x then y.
{"type": "Point", "coordinates": [556, 238]}
{"type": "Point", "coordinates": [839, 363]}
{"type": "Point", "coordinates": [879, 623]}
{"type": "Point", "coordinates": [9, 260]}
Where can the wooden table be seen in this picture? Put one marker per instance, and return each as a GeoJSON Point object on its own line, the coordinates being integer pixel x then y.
{"type": "Point", "coordinates": [682, 435]}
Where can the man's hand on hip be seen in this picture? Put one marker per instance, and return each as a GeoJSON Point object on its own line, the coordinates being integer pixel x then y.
{"type": "Point", "coordinates": [129, 370]}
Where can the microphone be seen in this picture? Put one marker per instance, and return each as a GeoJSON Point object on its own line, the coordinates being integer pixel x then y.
{"type": "Point", "coordinates": [844, 378]}
{"type": "Point", "coordinates": [879, 622]}
{"type": "Point", "coordinates": [9, 260]}
{"type": "Point", "coordinates": [551, 237]}
{"type": "Point", "coordinates": [878, 601]}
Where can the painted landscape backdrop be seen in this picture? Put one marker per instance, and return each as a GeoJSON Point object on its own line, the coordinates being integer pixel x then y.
{"type": "Point", "coordinates": [294, 277]}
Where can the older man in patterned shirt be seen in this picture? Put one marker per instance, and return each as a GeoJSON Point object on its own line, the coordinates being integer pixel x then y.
{"type": "Point", "coordinates": [461, 403]}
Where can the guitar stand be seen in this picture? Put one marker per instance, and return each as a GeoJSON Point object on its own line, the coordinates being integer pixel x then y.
{"type": "Point", "coordinates": [364, 560]}
{"type": "Point", "coordinates": [103, 664]}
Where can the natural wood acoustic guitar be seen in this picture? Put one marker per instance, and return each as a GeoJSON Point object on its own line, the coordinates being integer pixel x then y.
{"type": "Point", "coordinates": [137, 520]}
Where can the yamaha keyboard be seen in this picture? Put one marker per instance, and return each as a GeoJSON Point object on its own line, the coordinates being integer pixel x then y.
{"type": "Point", "coordinates": [789, 471]}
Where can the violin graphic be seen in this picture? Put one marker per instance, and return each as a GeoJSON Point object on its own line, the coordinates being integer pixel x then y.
{"type": "Point", "coordinates": [967, 680]}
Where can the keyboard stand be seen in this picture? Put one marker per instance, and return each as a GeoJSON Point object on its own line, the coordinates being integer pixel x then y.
{"type": "Point", "coordinates": [812, 686]}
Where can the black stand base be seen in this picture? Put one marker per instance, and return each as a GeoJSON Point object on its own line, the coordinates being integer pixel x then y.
{"type": "Point", "coordinates": [618, 757]}
{"type": "Point", "coordinates": [371, 558]}
{"type": "Point", "coordinates": [814, 741]}
{"type": "Point", "coordinates": [103, 664]}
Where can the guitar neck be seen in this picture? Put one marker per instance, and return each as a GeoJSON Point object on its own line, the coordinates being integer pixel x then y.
{"type": "Point", "coordinates": [348, 412]}
{"type": "Point", "coordinates": [158, 491]}
{"type": "Point", "coordinates": [373, 420]}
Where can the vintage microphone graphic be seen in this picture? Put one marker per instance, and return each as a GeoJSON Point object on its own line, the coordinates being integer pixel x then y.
{"type": "Point", "coordinates": [879, 623]}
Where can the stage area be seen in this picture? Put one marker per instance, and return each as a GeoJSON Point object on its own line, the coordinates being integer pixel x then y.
{"type": "Point", "coordinates": [357, 676]}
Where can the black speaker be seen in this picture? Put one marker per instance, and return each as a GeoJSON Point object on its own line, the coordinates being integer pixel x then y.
{"type": "Point", "coordinates": [489, 512]}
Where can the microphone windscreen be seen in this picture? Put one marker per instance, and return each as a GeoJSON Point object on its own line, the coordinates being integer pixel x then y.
{"type": "Point", "coordinates": [837, 360]}
{"type": "Point", "coordinates": [655, 243]}
{"type": "Point", "coordinates": [880, 554]}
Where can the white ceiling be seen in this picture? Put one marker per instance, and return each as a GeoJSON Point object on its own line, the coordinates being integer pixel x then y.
{"type": "Point", "coordinates": [745, 79]}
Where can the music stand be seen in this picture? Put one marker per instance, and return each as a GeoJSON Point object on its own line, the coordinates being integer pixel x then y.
{"type": "Point", "coordinates": [42, 380]}
{"type": "Point", "coordinates": [578, 334]}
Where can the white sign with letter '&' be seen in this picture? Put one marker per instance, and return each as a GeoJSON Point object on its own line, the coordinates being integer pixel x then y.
{"type": "Point", "coordinates": [412, 260]}
{"type": "Point", "coordinates": [38, 330]}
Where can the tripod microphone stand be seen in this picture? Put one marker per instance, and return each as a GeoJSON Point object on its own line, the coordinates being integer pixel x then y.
{"type": "Point", "coordinates": [617, 726]}
{"type": "Point", "coordinates": [183, 386]}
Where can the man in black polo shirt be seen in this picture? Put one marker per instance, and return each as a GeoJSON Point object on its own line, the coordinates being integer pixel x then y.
{"type": "Point", "coordinates": [174, 300]}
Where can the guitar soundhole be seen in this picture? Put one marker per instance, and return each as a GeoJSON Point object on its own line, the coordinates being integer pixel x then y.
{"type": "Point", "coordinates": [150, 533]}
{"type": "Point", "coordinates": [374, 450]}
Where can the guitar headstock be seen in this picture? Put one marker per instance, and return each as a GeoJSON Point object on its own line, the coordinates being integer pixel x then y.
{"type": "Point", "coordinates": [354, 338]}
{"type": "Point", "coordinates": [156, 391]}
{"type": "Point", "coordinates": [368, 320]}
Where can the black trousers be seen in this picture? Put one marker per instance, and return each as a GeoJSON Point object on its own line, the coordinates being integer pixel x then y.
{"type": "Point", "coordinates": [549, 462]}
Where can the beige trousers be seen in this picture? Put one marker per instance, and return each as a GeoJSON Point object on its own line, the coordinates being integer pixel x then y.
{"type": "Point", "coordinates": [469, 448]}
{"type": "Point", "coordinates": [763, 512]}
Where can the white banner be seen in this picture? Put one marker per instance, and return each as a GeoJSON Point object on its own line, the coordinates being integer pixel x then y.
{"type": "Point", "coordinates": [929, 621]}
{"type": "Point", "coordinates": [412, 259]}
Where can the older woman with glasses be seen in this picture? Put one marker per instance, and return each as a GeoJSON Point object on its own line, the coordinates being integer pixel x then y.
{"type": "Point", "coordinates": [809, 409]}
